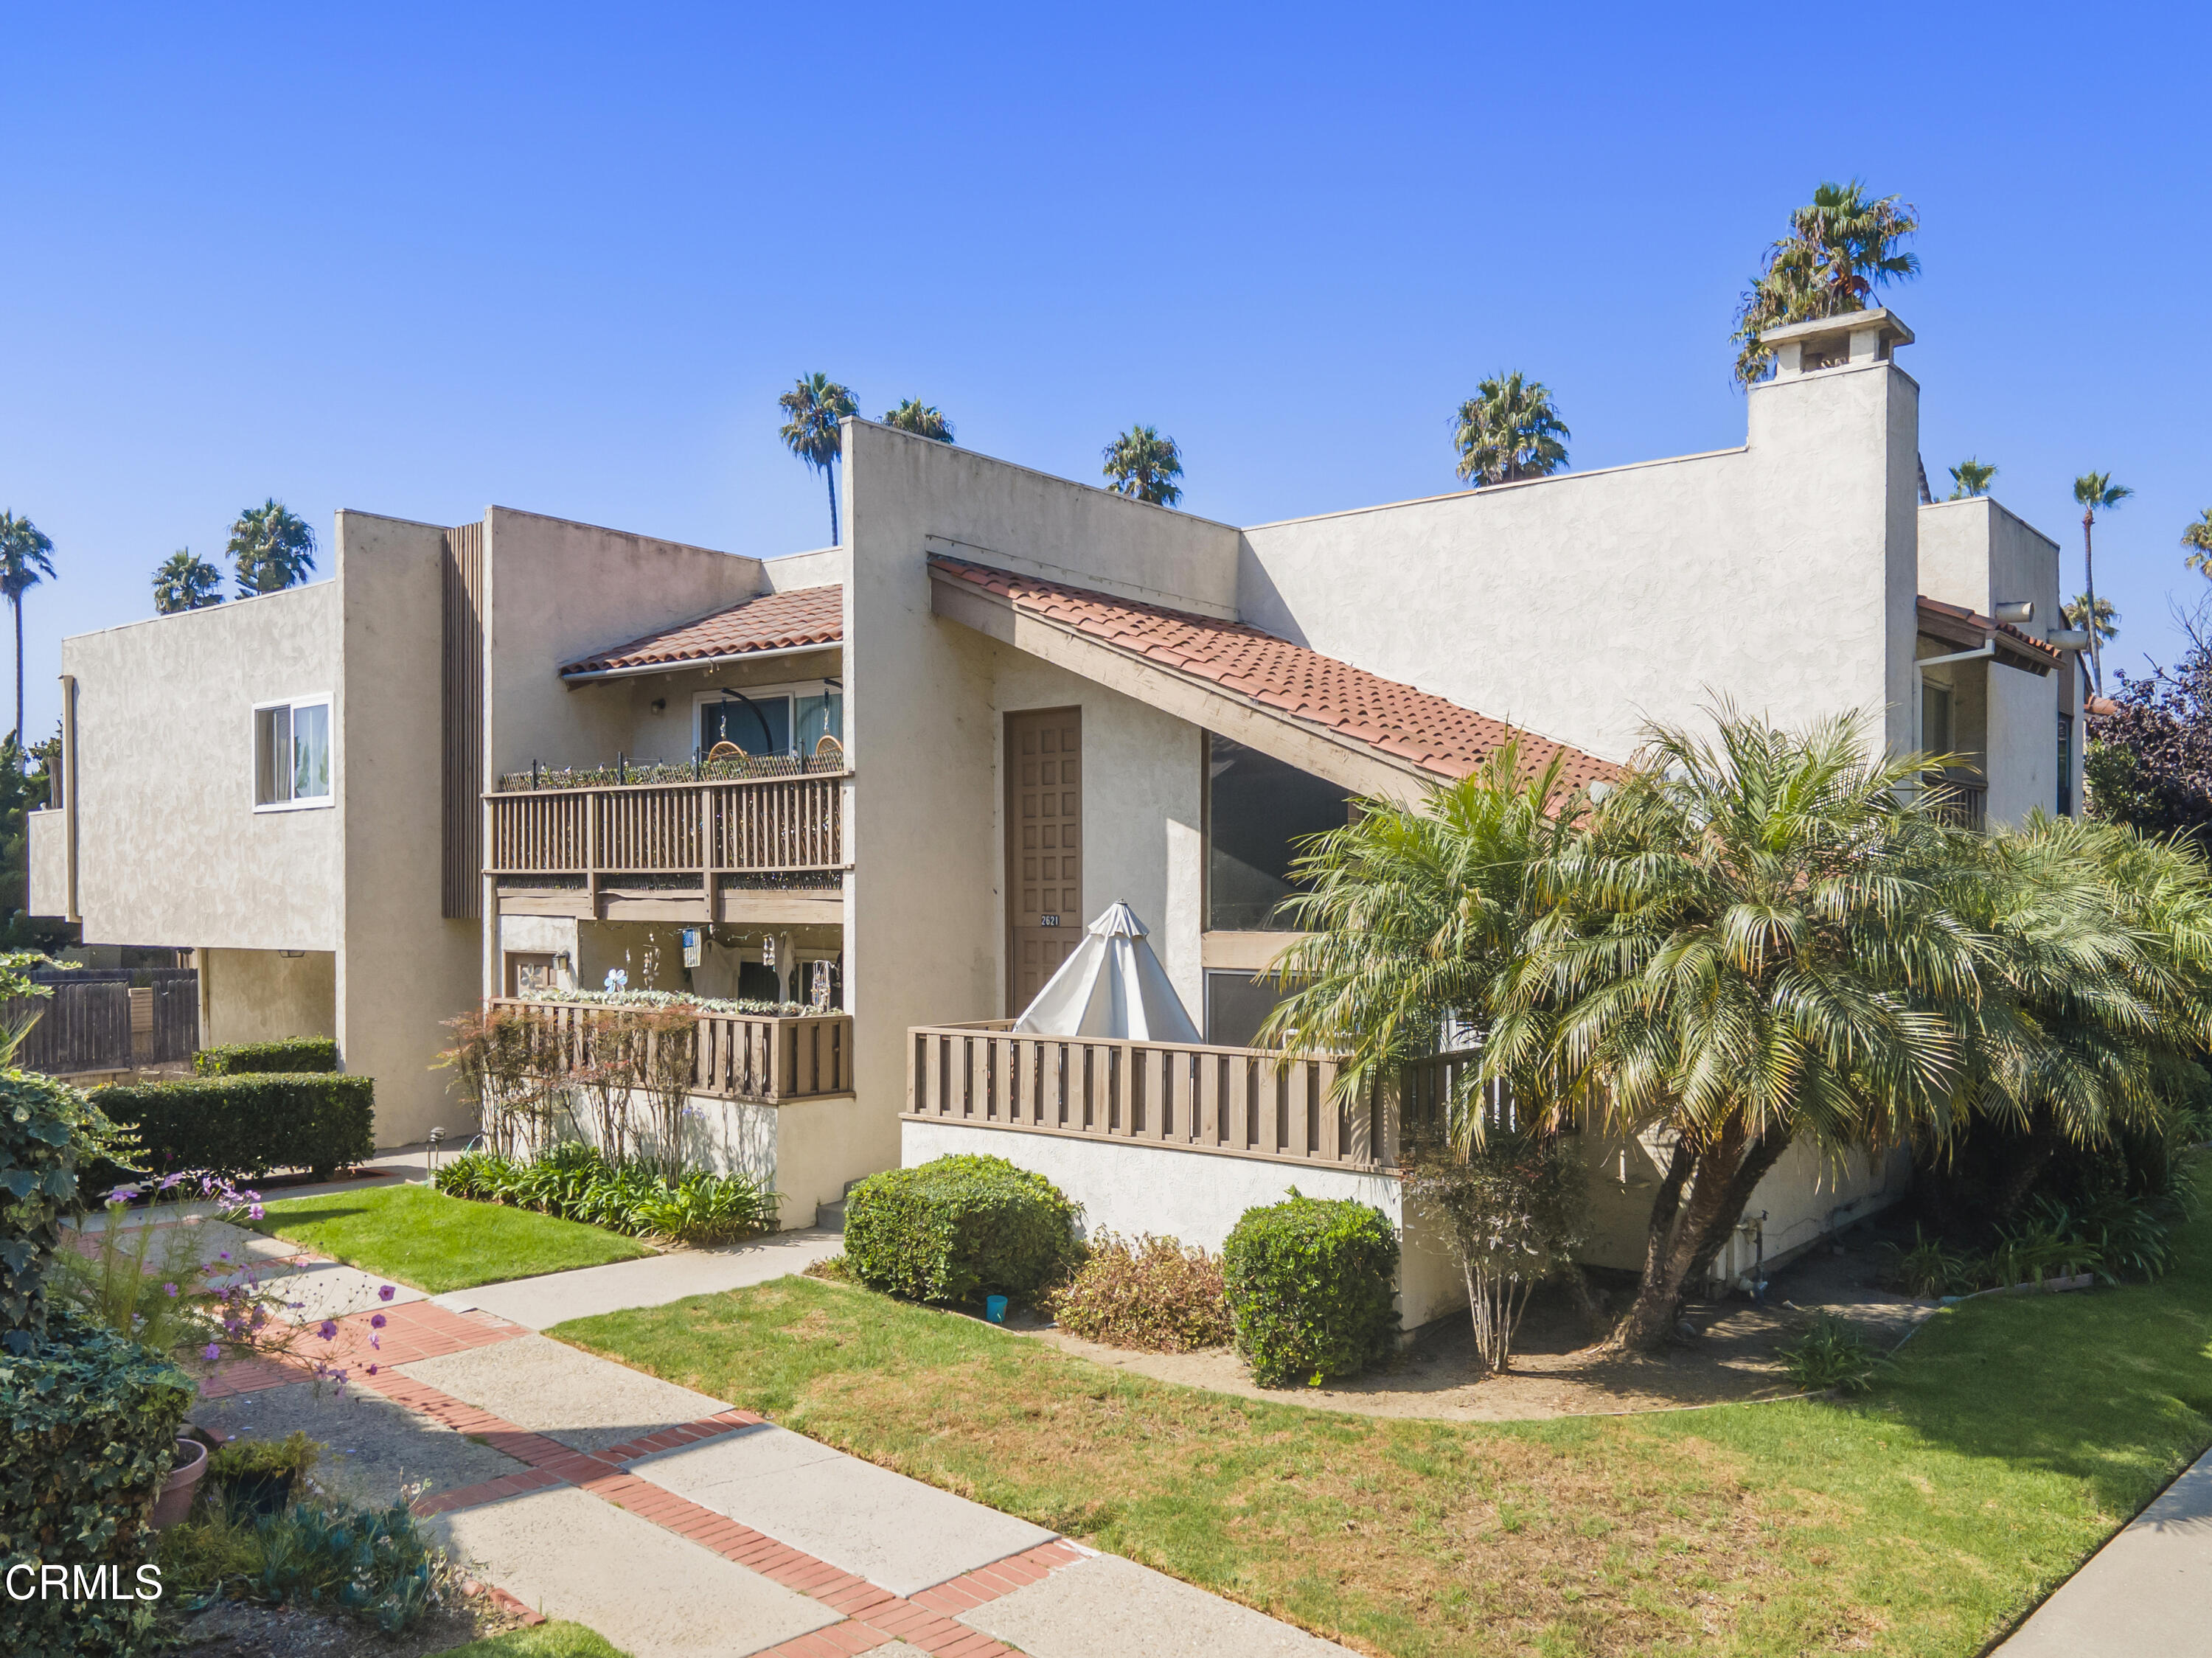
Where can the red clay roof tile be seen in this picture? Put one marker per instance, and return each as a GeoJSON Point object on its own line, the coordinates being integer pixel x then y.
{"type": "Point", "coordinates": [769, 622]}
{"type": "Point", "coordinates": [1437, 736]}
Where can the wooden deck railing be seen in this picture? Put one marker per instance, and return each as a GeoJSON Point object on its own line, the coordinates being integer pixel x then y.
{"type": "Point", "coordinates": [764, 1058]}
{"type": "Point", "coordinates": [746, 826]}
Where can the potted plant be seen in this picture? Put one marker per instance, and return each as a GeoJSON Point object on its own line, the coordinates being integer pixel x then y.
{"type": "Point", "coordinates": [175, 1500]}
{"type": "Point", "coordinates": [259, 1476]}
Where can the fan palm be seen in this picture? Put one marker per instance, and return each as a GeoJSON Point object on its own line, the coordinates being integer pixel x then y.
{"type": "Point", "coordinates": [2095, 493]}
{"type": "Point", "coordinates": [1144, 464]}
{"type": "Point", "coordinates": [2198, 537]}
{"type": "Point", "coordinates": [270, 548]}
{"type": "Point", "coordinates": [26, 558]}
{"type": "Point", "coordinates": [812, 410]}
{"type": "Point", "coordinates": [923, 420]}
{"type": "Point", "coordinates": [186, 583]}
{"type": "Point", "coordinates": [1509, 430]}
{"type": "Point", "coordinates": [2078, 615]}
{"type": "Point", "coordinates": [1840, 248]}
{"type": "Point", "coordinates": [1970, 478]}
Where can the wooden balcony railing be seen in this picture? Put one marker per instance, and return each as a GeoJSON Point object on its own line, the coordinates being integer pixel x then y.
{"type": "Point", "coordinates": [1959, 800]}
{"type": "Point", "coordinates": [746, 826]}
{"type": "Point", "coordinates": [765, 1058]}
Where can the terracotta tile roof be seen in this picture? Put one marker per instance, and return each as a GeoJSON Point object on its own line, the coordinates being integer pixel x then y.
{"type": "Point", "coordinates": [1408, 725]}
{"type": "Point", "coordinates": [1956, 622]}
{"type": "Point", "coordinates": [771, 622]}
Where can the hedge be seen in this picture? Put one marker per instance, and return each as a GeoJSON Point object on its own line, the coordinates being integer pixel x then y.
{"type": "Point", "coordinates": [958, 1229]}
{"type": "Point", "coordinates": [89, 1422]}
{"type": "Point", "coordinates": [1310, 1288]}
{"type": "Point", "coordinates": [295, 1055]}
{"type": "Point", "coordinates": [244, 1126]}
{"type": "Point", "coordinates": [41, 1132]}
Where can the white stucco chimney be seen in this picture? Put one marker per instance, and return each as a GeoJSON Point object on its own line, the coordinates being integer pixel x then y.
{"type": "Point", "coordinates": [1855, 338]}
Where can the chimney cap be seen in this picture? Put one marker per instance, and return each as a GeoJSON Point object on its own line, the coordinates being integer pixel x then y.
{"type": "Point", "coordinates": [1848, 322]}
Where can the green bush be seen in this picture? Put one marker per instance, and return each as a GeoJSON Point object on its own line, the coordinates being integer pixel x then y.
{"type": "Point", "coordinates": [1832, 1357]}
{"type": "Point", "coordinates": [1146, 1293]}
{"type": "Point", "coordinates": [246, 1126]}
{"type": "Point", "coordinates": [378, 1565]}
{"type": "Point", "coordinates": [294, 1056]}
{"type": "Point", "coordinates": [44, 1127]}
{"type": "Point", "coordinates": [575, 1182]}
{"type": "Point", "coordinates": [959, 1228]}
{"type": "Point", "coordinates": [1310, 1288]}
{"type": "Point", "coordinates": [90, 1422]}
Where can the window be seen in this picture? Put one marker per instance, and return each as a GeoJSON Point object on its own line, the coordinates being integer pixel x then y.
{"type": "Point", "coordinates": [1236, 1005]}
{"type": "Point", "coordinates": [292, 754]}
{"type": "Point", "coordinates": [1258, 812]}
{"type": "Point", "coordinates": [1935, 717]}
{"type": "Point", "coordinates": [2065, 765]}
{"type": "Point", "coordinates": [771, 720]}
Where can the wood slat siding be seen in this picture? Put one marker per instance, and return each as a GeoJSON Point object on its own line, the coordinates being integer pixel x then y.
{"type": "Point", "coordinates": [761, 1058]}
{"type": "Point", "coordinates": [750, 826]}
{"type": "Point", "coordinates": [1231, 1102]}
{"type": "Point", "coordinates": [461, 726]}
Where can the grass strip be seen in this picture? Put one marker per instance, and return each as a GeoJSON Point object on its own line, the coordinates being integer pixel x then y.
{"type": "Point", "coordinates": [554, 1639]}
{"type": "Point", "coordinates": [418, 1236]}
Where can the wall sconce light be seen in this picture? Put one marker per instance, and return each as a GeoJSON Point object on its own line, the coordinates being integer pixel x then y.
{"type": "Point", "coordinates": [660, 704]}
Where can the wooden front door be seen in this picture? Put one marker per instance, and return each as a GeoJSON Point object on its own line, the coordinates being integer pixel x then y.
{"type": "Point", "coordinates": [1044, 849]}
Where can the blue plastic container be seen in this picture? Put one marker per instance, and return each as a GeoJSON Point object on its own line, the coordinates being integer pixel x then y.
{"type": "Point", "coordinates": [994, 1308]}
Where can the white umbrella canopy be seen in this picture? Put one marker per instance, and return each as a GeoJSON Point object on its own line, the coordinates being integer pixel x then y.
{"type": "Point", "coordinates": [1112, 985]}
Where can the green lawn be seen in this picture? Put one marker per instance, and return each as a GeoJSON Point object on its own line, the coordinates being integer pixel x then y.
{"type": "Point", "coordinates": [425, 1238]}
{"type": "Point", "coordinates": [2013, 1437]}
{"type": "Point", "coordinates": [549, 1640]}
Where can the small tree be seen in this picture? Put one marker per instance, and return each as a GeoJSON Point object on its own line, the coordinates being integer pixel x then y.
{"type": "Point", "coordinates": [271, 548]}
{"type": "Point", "coordinates": [500, 1059]}
{"type": "Point", "coordinates": [921, 419]}
{"type": "Point", "coordinates": [2198, 537]}
{"type": "Point", "coordinates": [2149, 762]}
{"type": "Point", "coordinates": [1144, 464]}
{"type": "Point", "coordinates": [811, 410]}
{"type": "Point", "coordinates": [186, 583]}
{"type": "Point", "coordinates": [1970, 478]}
{"type": "Point", "coordinates": [670, 1043]}
{"type": "Point", "coordinates": [1514, 1204]}
{"type": "Point", "coordinates": [1509, 430]}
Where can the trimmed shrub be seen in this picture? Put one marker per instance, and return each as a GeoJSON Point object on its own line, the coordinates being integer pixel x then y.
{"type": "Point", "coordinates": [1146, 1293]}
{"type": "Point", "coordinates": [90, 1422]}
{"type": "Point", "coordinates": [244, 1126]}
{"type": "Point", "coordinates": [1310, 1289]}
{"type": "Point", "coordinates": [294, 1055]}
{"type": "Point", "coordinates": [957, 1229]}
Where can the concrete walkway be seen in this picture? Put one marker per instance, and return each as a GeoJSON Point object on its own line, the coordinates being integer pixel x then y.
{"type": "Point", "coordinates": [650, 1281]}
{"type": "Point", "coordinates": [2148, 1590]}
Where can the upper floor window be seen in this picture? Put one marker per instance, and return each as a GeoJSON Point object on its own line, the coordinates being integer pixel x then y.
{"type": "Point", "coordinates": [292, 754]}
{"type": "Point", "coordinates": [771, 720]}
{"type": "Point", "coordinates": [1259, 812]}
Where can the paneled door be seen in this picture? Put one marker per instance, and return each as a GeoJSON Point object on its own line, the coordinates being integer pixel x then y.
{"type": "Point", "coordinates": [1044, 847]}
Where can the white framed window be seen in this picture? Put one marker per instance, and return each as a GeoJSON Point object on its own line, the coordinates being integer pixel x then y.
{"type": "Point", "coordinates": [292, 754]}
{"type": "Point", "coordinates": [769, 720]}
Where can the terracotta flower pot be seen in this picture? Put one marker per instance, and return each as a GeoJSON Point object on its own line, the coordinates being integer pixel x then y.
{"type": "Point", "coordinates": [175, 1500]}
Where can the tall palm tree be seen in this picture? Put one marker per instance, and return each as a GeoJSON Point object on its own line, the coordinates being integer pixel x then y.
{"type": "Point", "coordinates": [812, 410]}
{"type": "Point", "coordinates": [271, 548]}
{"type": "Point", "coordinates": [1841, 247]}
{"type": "Point", "coordinates": [2198, 537]}
{"type": "Point", "coordinates": [1509, 430]}
{"type": "Point", "coordinates": [2095, 493]}
{"type": "Point", "coordinates": [2078, 610]}
{"type": "Point", "coordinates": [1970, 478]}
{"type": "Point", "coordinates": [923, 420]}
{"type": "Point", "coordinates": [25, 558]}
{"type": "Point", "coordinates": [1144, 464]}
{"type": "Point", "coordinates": [186, 583]}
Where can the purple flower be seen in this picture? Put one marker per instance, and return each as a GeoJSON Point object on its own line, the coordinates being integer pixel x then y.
{"type": "Point", "coordinates": [254, 1213]}
{"type": "Point", "coordinates": [168, 1182]}
{"type": "Point", "coordinates": [330, 1330]}
{"type": "Point", "coordinates": [385, 1294]}
{"type": "Point", "coordinates": [372, 1370]}
{"type": "Point", "coordinates": [376, 1320]}
{"type": "Point", "coordinates": [223, 1254]}
{"type": "Point", "coordinates": [210, 1352]}
{"type": "Point", "coordinates": [123, 1194]}
{"type": "Point", "coordinates": [376, 1341]}
{"type": "Point", "coordinates": [170, 1291]}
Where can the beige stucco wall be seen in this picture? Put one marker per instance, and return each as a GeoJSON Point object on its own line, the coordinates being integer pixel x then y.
{"type": "Point", "coordinates": [261, 996]}
{"type": "Point", "coordinates": [1579, 606]}
{"type": "Point", "coordinates": [170, 849]}
{"type": "Point", "coordinates": [46, 850]}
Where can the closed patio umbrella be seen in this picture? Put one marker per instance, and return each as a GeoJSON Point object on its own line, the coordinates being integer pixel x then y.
{"type": "Point", "coordinates": [1111, 986]}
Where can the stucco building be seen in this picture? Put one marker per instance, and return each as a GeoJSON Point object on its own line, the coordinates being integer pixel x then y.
{"type": "Point", "coordinates": [358, 801]}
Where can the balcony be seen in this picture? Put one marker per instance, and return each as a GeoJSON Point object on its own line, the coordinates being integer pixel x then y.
{"type": "Point", "coordinates": [765, 1059]}
{"type": "Point", "coordinates": [1958, 798]}
{"type": "Point", "coordinates": [705, 842]}
{"type": "Point", "coordinates": [1228, 1102]}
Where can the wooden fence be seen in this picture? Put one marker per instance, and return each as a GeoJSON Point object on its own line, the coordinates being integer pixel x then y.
{"type": "Point", "coordinates": [87, 1024]}
{"type": "Point", "coordinates": [745, 826]}
{"type": "Point", "coordinates": [764, 1058]}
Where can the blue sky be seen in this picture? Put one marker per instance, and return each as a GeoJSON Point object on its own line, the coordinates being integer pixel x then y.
{"type": "Point", "coordinates": [564, 258]}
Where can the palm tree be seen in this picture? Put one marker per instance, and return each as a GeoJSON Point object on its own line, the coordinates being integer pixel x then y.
{"type": "Point", "coordinates": [271, 548]}
{"type": "Point", "coordinates": [1144, 464]}
{"type": "Point", "coordinates": [186, 583]}
{"type": "Point", "coordinates": [1840, 248]}
{"type": "Point", "coordinates": [2198, 537]}
{"type": "Point", "coordinates": [812, 409]}
{"type": "Point", "coordinates": [1970, 478]}
{"type": "Point", "coordinates": [1509, 430]}
{"type": "Point", "coordinates": [2094, 493]}
{"type": "Point", "coordinates": [25, 556]}
{"type": "Point", "coordinates": [923, 420]}
{"type": "Point", "coordinates": [2077, 613]}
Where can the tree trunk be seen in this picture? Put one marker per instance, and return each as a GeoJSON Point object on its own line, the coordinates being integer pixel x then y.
{"type": "Point", "coordinates": [831, 473]}
{"type": "Point", "coordinates": [16, 602]}
{"type": "Point", "coordinates": [2089, 581]}
{"type": "Point", "coordinates": [1685, 1238]}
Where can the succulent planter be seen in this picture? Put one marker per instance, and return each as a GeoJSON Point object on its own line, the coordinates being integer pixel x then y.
{"type": "Point", "coordinates": [175, 1500]}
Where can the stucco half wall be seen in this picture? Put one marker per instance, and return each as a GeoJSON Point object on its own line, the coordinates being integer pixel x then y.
{"type": "Point", "coordinates": [1197, 1197]}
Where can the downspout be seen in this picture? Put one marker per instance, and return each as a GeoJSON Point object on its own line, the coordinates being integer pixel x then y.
{"type": "Point", "coordinates": [68, 795]}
